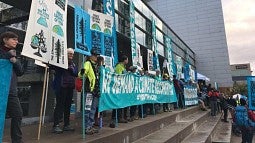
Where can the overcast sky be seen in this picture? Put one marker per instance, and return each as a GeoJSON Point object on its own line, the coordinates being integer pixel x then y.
{"type": "Point", "coordinates": [239, 17]}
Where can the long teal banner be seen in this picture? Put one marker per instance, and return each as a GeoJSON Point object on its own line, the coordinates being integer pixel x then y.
{"type": "Point", "coordinates": [5, 76]}
{"type": "Point", "coordinates": [118, 91]}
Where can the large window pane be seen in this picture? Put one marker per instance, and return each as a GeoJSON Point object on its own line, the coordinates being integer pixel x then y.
{"type": "Point", "coordinates": [139, 20]}
{"type": "Point", "coordinates": [148, 41]}
{"type": "Point", "coordinates": [123, 7]}
{"type": "Point", "coordinates": [140, 36]}
{"type": "Point", "coordinates": [159, 36]}
{"type": "Point", "coordinates": [161, 50]}
{"type": "Point", "coordinates": [148, 26]}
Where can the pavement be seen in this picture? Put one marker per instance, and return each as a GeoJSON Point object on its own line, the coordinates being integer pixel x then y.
{"type": "Point", "coordinates": [30, 132]}
{"type": "Point", "coordinates": [237, 139]}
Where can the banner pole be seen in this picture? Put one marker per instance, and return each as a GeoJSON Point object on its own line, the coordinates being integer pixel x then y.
{"type": "Point", "coordinates": [116, 117]}
{"type": "Point", "coordinates": [46, 95]}
{"type": "Point", "coordinates": [41, 110]}
{"type": "Point", "coordinates": [154, 112]}
{"type": "Point", "coordinates": [142, 110]}
{"type": "Point", "coordinates": [84, 102]}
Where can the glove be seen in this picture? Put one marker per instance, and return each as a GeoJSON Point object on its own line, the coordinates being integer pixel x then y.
{"type": "Point", "coordinates": [82, 71]}
{"type": "Point", "coordinates": [12, 53]}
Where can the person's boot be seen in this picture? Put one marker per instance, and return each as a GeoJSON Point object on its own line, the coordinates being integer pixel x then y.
{"type": "Point", "coordinates": [56, 129]}
{"type": "Point", "coordinates": [68, 128]}
{"type": "Point", "coordinates": [121, 120]}
{"type": "Point", "coordinates": [89, 131]}
{"type": "Point", "coordinates": [112, 124]}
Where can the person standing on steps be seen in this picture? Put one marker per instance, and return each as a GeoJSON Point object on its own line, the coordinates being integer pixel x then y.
{"type": "Point", "coordinates": [64, 84]}
{"type": "Point", "coordinates": [213, 95]}
{"type": "Point", "coordinates": [91, 87]}
{"type": "Point", "coordinates": [8, 43]}
{"type": "Point", "coordinates": [122, 113]}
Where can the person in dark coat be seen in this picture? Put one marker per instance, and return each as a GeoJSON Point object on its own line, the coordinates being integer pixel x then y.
{"type": "Point", "coordinates": [63, 84]}
{"type": "Point", "coordinates": [8, 43]}
{"type": "Point", "coordinates": [224, 107]}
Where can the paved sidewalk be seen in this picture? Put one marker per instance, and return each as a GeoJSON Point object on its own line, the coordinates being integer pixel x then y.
{"type": "Point", "coordinates": [30, 132]}
{"type": "Point", "coordinates": [236, 139]}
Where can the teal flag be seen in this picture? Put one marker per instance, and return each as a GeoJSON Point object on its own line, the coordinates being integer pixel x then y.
{"type": "Point", "coordinates": [251, 92]}
{"type": "Point", "coordinates": [118, 91]}
{"type": "Point", "coordinates": [169, 56]}
{"type": "Point", "coordinates": [155, 44]}
{"type": "Point", "coordinates": [111, 50]}
{"type": "Point", "coordinates": [5, 76]}
{"type": "Point", "coordinates": [82, 31]}
{"type": "Point", "coordinates": [132, 34]}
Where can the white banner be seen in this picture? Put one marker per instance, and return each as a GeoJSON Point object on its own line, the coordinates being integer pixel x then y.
{"type": "Point", "coordinates": [101, 22]}
{"type": "Point", "coordinates": [139, 57]}
{"type": "Point", "coordinates": [150, 62]}
{"type": "Point", "coordinates": [179, 67]}
{"type": "Point", "coordinates": [190, 95]}
{"type": "Point", "coordinates": [46, 32]}
{"type": "Point", "coordinates": [108, 62]}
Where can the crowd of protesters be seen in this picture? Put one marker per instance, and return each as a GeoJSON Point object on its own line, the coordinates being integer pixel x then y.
{"type": "Point", "coordinates": [64, 85]}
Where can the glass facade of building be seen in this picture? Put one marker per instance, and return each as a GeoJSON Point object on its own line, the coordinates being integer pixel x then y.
{"type": "Point", "coordinates": [143, 23]}
{"type": "Point", "coordinates": [30, 89]}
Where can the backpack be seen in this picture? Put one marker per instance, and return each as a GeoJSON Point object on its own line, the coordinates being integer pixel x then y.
{"type": "Point", "coordinates": [241, 116]}
{"type": "Point", "coordinates": [251, 115]}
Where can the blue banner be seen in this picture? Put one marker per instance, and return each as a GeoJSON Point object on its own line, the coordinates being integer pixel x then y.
{"type": "Point", "coordinates": [119, 91]}
{"type": "Point", "coordinates": [132, 34]}
{"type": "Point", "coordinates": [169, 57]}
{"type": "Point", "coordinates": [251, 92]}
{"type": "Point", "coordinates": [5, 76]}
{"type": "Point", "coordinates": [155, 44]}
{"type": "Point", "coordinates": [187, 72]}
{"type": "Point", "coordinates": [82, 31]}
{"type": "Point", "coordinates": [190, 95]}
{"type": "Point", "coordinates": [111, 48]}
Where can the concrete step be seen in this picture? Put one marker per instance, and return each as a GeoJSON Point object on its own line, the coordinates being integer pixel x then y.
{"type": "Point", "coordinates": [176, 131]}
{"type": "Point", "coordinates": [205, 132]}
{"type": "Point", "coordinates": [126, 133]}
{"type": "Point", "coordinates": [223, 132]}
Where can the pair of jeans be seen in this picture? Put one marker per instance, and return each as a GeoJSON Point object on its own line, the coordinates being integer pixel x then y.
{"type": "Point", "coordinates": [213, 107]}
{"type": "Point", "coordinates": [247, 134]}
{"type": "Point", "coordinates": [121, 113]}
{"type": "Point", "coordinates": [133, 110]}
{"type": "Point", "coordinates": [90, 114]}
{"type": "Point", "coordinates": [64, 100]}
{"type": "Point", "coordinates": [14, 110]}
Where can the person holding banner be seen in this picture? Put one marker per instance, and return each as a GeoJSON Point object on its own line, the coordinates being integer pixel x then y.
{"type": "Point", "coordinates": [179, 92]}
{"type": "Point", "coordinates": [63, 84]}
{"type": "Point", "coordinates": [9, 41]}
{"type": "Point", "coordinates": [91, 88]}
{"type": "Point", "coordinates": [121, 113]}
{"type": "Point", "coordinates": [100, 64]}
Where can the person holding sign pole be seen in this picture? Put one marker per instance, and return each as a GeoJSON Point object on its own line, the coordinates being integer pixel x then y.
{"type": "Point", "coordinates": [91, 88]}
{"type": "Point", "coordinates": [63, 84]}
{"type": "Point", "coordinates": [9, 41]}
{"type": "Point", "coordinates": [121, 113]}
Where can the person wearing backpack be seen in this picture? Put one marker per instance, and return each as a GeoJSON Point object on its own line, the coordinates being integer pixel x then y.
{"type": "Point", "coordinates": [243, 122]}
{"type": "Point", "coordinates": [91, 88]}
{"type": "Point", "coordinates": [213, 95]}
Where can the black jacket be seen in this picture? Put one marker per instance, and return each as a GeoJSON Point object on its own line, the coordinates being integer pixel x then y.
{"type": "Point", "coordinates": [17, 71]}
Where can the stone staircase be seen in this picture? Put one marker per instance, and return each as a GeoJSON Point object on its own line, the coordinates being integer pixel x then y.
{"type": "Point", "coordinates": [190, 125]}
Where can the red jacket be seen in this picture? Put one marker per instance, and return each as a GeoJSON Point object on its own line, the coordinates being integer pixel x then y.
{"type": "Point", "coordinates": [213, 95]}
